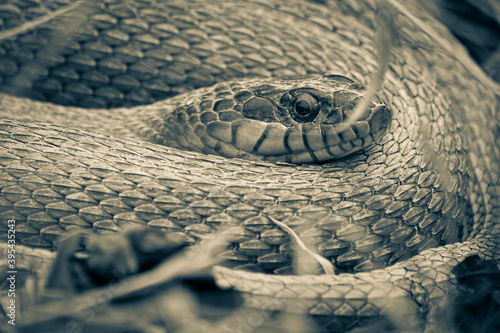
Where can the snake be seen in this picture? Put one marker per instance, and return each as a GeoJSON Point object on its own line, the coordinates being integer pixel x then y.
{"type": "Point", "coordinates": [196, 117]}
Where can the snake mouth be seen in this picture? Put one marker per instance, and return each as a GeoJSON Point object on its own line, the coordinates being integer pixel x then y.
{"type": "Point", "coordinates": [301, 143]}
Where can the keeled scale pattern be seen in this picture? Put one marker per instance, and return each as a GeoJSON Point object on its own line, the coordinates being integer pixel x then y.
{"type": "Point", "coordinates": [433, 92]}
{"type": "Point", "coordinates": [56, 179]}
{"type": "Point", "coordinates": [129, 53]}
{"type": "Point", "coordinates": [82, 192]}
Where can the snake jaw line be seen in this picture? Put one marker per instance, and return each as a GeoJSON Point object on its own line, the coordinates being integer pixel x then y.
{"type": "Point", "coordinates": [304, 143]}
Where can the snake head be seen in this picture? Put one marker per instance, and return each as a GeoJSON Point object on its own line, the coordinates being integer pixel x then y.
{"type": "Point", "coordinates": [297, 120]}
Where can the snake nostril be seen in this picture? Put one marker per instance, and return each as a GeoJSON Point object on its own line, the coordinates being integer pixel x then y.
{"type": "Point", "coordinates": [345, 102]}
{"type": "Point", "coordinates": [349, 108]}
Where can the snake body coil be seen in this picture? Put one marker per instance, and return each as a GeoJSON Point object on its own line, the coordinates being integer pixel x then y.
{"type": "Point", "coordinates": [394, 218]}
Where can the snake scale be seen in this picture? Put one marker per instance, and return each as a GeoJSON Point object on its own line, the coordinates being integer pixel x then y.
{"type": "Point", "coordinates": [394, 218]}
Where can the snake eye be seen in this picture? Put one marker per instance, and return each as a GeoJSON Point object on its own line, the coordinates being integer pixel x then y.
{"type": "Point", "coordinates": [305, 108]}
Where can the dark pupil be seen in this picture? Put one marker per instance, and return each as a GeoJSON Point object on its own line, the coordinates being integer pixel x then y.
{"type": "Point", "coordinates": [303, 107]}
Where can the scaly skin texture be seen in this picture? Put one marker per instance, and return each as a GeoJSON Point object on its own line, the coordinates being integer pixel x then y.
{"type": "Point", "coordinates": [433, 180]}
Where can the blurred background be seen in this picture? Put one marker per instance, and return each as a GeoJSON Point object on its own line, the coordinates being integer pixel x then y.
{"type": "Point", "coordinates": [475, 23]}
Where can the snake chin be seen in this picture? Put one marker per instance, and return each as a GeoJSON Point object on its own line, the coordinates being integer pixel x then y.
{"type": "Point", "coordinates": [308, 143]}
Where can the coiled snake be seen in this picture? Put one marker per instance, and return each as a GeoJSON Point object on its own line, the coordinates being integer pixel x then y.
{"type": "Point", "coordinates": [394, 217]}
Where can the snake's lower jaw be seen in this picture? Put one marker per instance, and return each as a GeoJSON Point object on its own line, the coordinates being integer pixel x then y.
{"type": "Point", "coordinates": [343, 139]}
{"type": "Point", "coordinates": [302, 143]}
